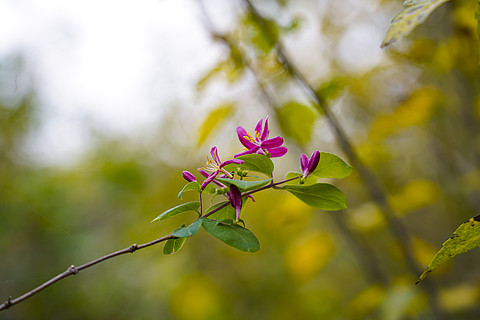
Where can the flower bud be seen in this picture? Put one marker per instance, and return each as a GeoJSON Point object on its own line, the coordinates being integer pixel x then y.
{"type": "Point", "coordinates": [188, 176]}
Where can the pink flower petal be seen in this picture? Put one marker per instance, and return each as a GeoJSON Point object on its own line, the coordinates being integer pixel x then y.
{"type": "Point", "coordinates": [237, 161]}
{"type": "Point", "coordinates": [303, 162]}
{"type": "Point", "coordinates": [209, 179]}
{"type": "Point", "coordinates": [272, 143]}
{"type": "Point", "coordinates": [214, 154]}
{"type": "Point", "coordinates": [242, 133]}
{"type": "Point", "coordinates": [250, 151]}
{"type": "Point", "coordinates": [313, 163]}
{"type": "Point", "coordinates": [265, 131]}
{"type": "Point", "coordinates": [258, 129]}
{"type": "Point", "coordinates": [277, 152]}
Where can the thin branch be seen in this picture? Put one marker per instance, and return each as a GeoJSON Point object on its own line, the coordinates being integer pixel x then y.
{"type": "Point", "coordinates": [72, 270]}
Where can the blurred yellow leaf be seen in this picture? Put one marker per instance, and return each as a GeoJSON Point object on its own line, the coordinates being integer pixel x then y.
{"type": "Point", "coordinates": [288, 214]}
{"type": "Point", "coordinates": [366, 302]}
{"type": "Point", "coordinates": [213, 120]}
{"type": "Point", "coordinates": [414, 111]}
{"type": "Point", "coordinates": [367, 217]}
{"type": "Point", "coordinates": [416, 194]}
{"type": "Point", "coordinates": [460, 297]}
{"type": "Point", "coordinates": [423, 251]}
{"type": "Point", "coordinates": [196, 297]}
{"type": "Point", "coordinates": [309, 254]}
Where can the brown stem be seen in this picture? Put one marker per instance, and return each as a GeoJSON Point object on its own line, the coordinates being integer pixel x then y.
{"type": "Point", "coordinates": [72, 270]}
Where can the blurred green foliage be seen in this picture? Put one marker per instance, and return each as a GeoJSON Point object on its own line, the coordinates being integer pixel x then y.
{"type": "Point", "coordinates": [414, 118]}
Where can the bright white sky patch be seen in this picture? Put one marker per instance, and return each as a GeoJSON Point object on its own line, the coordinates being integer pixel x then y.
{"type": "Point", "coordinates": [103, 62]}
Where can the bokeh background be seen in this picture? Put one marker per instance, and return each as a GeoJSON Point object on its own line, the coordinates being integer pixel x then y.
{"type": "Point", "coordinates": [104, 103]}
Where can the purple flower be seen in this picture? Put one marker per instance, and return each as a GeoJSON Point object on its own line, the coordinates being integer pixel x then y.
{"type": "Point", "coordinates": [308, 166]}
{"type": "Point", "coordinates": [259, 143]}
{"type": "Point", "coordinates": [188, 176]}
{"type": "Point", "coordinates": [215, 166]}
{"type": "Point", "coordinates": [235, 198]}
{"type": "Point", "coordinates": [205, 174]}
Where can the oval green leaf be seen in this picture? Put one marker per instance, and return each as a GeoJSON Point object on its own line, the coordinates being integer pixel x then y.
{"type": "Point", "coordinates": [331, 166]}
{"type": "Point", "coordinates": [320, 195]}
{"type": "Point", "coordinates": [253, 162]}
{"type": "Point", "coordinates": [173, 245]}
{"type": "Point", "coordinates": [466, 237]}
{"type": "Point", "coordinates": [234, 235]}
{"type": "Point", "coordinates": [185, 232]}
{"type": "Point", "coordinates": [227, 212]}
{"type": "Point", "coordinates": [244, 185]}
{"type": "Point", "coordinates": [194, 185]}
{"type": "Point", "coordinates": [189, 206]}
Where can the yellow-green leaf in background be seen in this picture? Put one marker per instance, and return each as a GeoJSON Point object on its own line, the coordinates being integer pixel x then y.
{"type": "Point", "coordinates": [477, 17]}
{"type": "Point", "coordinates": [331, 89]}
{"type": "Point", "coordinates": [296, 121]}
{"type": "Point", "coordinates": [415, 14]}
{"type": "Point", "coordinates": [213, 120]}
{"type": "Point", "coordinates": [414, 111]}
{"type": "Point", "coordinates": [465, 238]}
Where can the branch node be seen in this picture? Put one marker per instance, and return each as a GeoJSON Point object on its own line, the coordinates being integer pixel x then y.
{"type": "Point", "coordinates": [8, 303]}
{"type": "Point", "coordinates": [72, 269]}
{"type": "Point", "coordinates": [133, 248]}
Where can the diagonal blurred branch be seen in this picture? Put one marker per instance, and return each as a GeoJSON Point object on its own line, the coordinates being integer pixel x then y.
{"type": "Point", "coordinates": [365, 254]}
{"type": "Point", "coordinates": [72, 270]}
{"type": "Point", "coordinates": [395, 224]}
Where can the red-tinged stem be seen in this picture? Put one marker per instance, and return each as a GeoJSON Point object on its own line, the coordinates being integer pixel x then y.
{"type": "Point", "coordinates": [268, 186]}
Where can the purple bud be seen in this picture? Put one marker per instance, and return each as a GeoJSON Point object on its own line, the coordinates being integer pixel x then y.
{"type": "Point", "coordinates": [309, 165]}
{"type": "Point", "coordinates": [313, 163]}
{"type": "Point", "coordinates": [235, 199]}
{"type": "Point", "coordinates": [188, 176]}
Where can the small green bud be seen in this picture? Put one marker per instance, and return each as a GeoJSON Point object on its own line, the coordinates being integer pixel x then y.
{"type": "Point", "coordinates": [242, 172]}
{"type": "Point", "coordinates": [220, 191]}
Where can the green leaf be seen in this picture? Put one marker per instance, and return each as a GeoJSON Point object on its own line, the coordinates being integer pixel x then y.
{"type": "Point", "coordinates": [213, 120]}
{"type": "Point", "coordinates": [173, 245]}
{"type": "Point", "coordinates": [465, 238]}
{"type": "Point", "coordinates": [189, 206]}
{"type": "Point", "coordinates": [210, 189]}
{"type": "Point", "coordinates": [185, 232]}
{"type": "Point", "coordinates": [309, 181]}
{"type": "Point", "coordinates": [263, 34]}
{"type": "Point", "coordinates": [227, 212]}
{"type": "Point", "coordinates": [244, 185]}
{"type": "Point", "coordinates": [253, 162]}
{"type": "Point", "coordinates": [331, 90]}
{"type": "Point", "coordinates": [415, 13]}
{"type": "Point", "coordinates": [331, 166]}
{"type": "Point", "coordinates": [320, 195]}
{"type": "Point", "coordinates": [194, 185]}
{"type": "Point", "coordinates": [234, 235]}
{"type": "Point", "coordinates": [296, 121]}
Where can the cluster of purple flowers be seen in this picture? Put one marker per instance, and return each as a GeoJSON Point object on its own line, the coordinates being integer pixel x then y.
{"type": "Point", "coordinates": [256, 144]}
